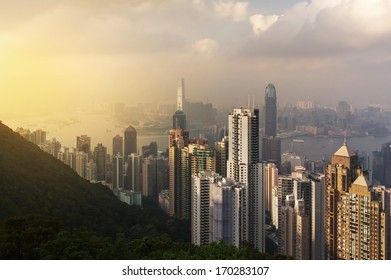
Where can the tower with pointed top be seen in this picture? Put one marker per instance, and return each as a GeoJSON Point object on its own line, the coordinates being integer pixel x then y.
{"type": "Point", "coordinates": [355, 223]}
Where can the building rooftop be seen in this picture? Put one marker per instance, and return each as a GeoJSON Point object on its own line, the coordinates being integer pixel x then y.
{"type": "Point", "coordinates": [362, 181]}
{"type": "Point", "coordinates": [344, 151]}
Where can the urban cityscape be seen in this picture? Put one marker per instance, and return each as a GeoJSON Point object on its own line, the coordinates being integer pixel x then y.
{"type": "Point", "coordinates": [234, 183]}
{"type": "Point", "coordinates": [196, 130]}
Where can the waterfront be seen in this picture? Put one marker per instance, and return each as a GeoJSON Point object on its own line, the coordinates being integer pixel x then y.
{"type": "Point", "coordinates": [102, 128]}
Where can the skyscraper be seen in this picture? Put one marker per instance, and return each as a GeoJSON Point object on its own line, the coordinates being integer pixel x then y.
{"type": "Point", "coordinates": [99, 156]}
{"type": "Point", "coordinates": [118, 171]}
{"type": "Point", "coordinates": [271, 180]}
{"type": "Point", "coordinates": [179, 120]}
{"type": "Point", "coordinates": [181, 94]}
{"type": "Point", "coordinates": [179, 204]}
{"type": "Point", "coordinates": [270, 111]}
{"type": "Point", "coordinates": [355, 223]}
{"type": "Point", "coordinates": [130, 141]}
{"type": "Point", "coordinates": [244, 167]}
{"type": "Point", "coordinates": [271, 146]}
{"type": "Point", "coordinates": [295, 229]}
{"type": "Point", "coordinates": [133, 173]}
{"type": "Point", "coordinates": [149, 181]}
{"type": "Point", "coordinates": [200, 214]}
{"type": "Point", "coordinates": [179, 117]}
{"type": "Point", "coordinates": [179, 192]}
{"type": "Point", "coordinates": [221, 156]}
{"type": "Point", "coordinates": [219, 209]}
{"type": "Point", "coordinates": [118, 145]}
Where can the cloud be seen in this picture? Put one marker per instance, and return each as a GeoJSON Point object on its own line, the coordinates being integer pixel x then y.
{"type": "Point", "coordinates": [206, 47]}
{"type": "Point", "coordinates": [323, 28]}
{"type": "Point", "coordinates": [261, 23]}
{"type": "Point", "coordinates": [237, 11]}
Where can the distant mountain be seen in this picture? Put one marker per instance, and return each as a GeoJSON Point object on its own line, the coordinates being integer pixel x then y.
{"type": "Point", "coordinates": [33, 182]}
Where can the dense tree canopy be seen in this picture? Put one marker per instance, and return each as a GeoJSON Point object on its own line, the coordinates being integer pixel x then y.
{"type": "Point", "coordinates": [48, 212]}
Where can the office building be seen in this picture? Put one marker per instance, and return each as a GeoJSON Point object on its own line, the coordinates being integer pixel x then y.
{"type": "Point", "coordinates": [270, 111]}
{"type": "Point", "coordinates": [99, 156]}
{"type": "Point", "coordinates": [118, 145]}
{"type": "Point", "coordinates": [130, 141]}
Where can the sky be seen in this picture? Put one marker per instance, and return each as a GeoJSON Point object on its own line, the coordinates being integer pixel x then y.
{"type": "Point", "coordinates": [56, 55]}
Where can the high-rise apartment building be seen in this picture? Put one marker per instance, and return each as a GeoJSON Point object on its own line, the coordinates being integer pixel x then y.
{"type": "Point", "coordinates": [221, 156]}
{"type": "Point", "coordinates": [317, 217]}
{"type": "Point", "coordinates": [295, 229]}
{"type": "Point", "coordinates": [219, 209]}
{"type": "Point", "coordinates": [271, 180]}
{"type": "Point", "coordinates": [244, 167]}
{"type": "Point", "coordinates": [355, 223]}
{"type": "Point", "coordinates": [178, 195]}
{"type": "Point", "coordinates": [284, 188]}
{"type": "Point", "coordinates": [130, 141]}
{"type": "Point", "coordinates": [200, 212]}
{"type": "Point", "coordinates": [384, 195]}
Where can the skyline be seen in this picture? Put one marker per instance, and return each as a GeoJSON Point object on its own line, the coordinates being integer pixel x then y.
{"type": "Point", "coordinates": [56, 55]}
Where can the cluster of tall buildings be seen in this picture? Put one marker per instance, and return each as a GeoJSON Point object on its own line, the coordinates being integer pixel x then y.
{"type": "Point", "coordinates": [243, 190]}
{"type": "Point", "coordinates": [242, 195]}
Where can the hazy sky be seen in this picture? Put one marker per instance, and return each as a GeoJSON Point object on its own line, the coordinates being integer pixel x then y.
{"type": "Point", "coordinates": [56, 54]}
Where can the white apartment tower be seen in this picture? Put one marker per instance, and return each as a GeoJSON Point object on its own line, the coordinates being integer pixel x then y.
{"type": "Point", "coordinates": [219, 209]}
{"type": "Point", "coordinates": [244, 167]}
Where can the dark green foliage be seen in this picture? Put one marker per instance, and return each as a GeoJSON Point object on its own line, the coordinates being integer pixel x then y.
{"type": "Point", "coordinates": [48, 212]}
{"type": "Point", "coordinates": [33, 182]}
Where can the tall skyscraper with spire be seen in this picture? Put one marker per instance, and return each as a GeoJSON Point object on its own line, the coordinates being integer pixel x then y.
{"type": "Point", "coordinates": [179, 117]}
{"type": "Point", "coordinates": [180, 95]}
{"type": "Point", "coordinates": [178, 139]}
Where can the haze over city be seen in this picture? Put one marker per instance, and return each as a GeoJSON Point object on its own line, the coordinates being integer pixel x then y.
{"type": "Point", "coordinates": [55, 55]}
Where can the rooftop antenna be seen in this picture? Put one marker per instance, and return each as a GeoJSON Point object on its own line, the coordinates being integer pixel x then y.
{"type": "Point", "coordinates": [248, 101]}
{"type": "Point", "coordinates": [253, 103]}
